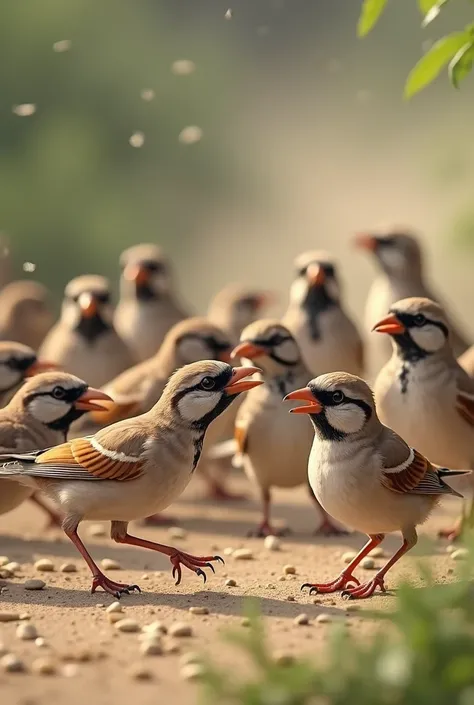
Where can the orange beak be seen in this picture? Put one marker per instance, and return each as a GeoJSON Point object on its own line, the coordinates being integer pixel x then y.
{"type": "Point", "coordinates": [236, 386]}
{"type": "Point", "coordinates": [316, 275]}
{"type": "Point", "coordinates": [136, 273]}
{"type": "Point", "coordinates": [37, 367]}
{"type": "Point", "coordinates": [248, 349]}
{"type": "Point", "coordinates": [225, 356]}
{"type": "Point", "coordinates": [365, 241]}
{"type": "Point", "coordinates": [86, 401]}
{"type": "Point", "coordinates": [305, 394]}
{"type": "Point", "coordinates": [390, 324]}
{"type": "Point", "coordinates": [88, 305]}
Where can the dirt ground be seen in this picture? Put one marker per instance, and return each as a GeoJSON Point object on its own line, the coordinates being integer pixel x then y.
{"type": "Point", "coordinates": [76, 628]}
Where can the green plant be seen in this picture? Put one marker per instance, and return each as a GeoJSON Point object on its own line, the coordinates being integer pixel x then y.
{"type": "Point", "coordinates": [425, 658]}
{"type": "Point", "coordinates": [454, 50]}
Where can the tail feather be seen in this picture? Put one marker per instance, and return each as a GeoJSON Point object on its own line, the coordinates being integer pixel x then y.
{"type": "Point", "coordinates": [445, 473]}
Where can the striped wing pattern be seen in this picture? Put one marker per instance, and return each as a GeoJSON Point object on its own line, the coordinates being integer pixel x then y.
{"type": "Point", "coordinates": [409, 476]}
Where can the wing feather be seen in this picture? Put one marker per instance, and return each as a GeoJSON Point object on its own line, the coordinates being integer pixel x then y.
{"type": "Point", "coordinates": [418, 476]}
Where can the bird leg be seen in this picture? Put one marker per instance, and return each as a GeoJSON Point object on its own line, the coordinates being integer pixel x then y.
{"type": "Point", "coordinates": [265, 528]}
{"type": "Point", "coordinates": [98, 578]}
{"type": "Point", "coordinates": [452, 533]}
{"type": "Point", "coordinates": [327, 527]}
{"type": "Point", "coordinates": [367, 589]}
{"type": "Point", "coordinates": [54, 519]}
{"type": "Point", "coordinates": [346, 578]}
{"type": "Point", "coordinates": [177, 558]}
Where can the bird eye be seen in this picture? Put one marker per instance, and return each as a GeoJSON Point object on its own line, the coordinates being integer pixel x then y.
{"type": "Point", "coordinates": [59, 393]}
{"type": "Point", "coordinates": [419, 320]}
{"type": "Point", "coordinates": [338, 397]}
{"type": "Point", "coordinates": [208, 383]}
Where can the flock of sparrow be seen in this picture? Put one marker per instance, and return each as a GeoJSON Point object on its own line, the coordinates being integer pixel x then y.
{"type": "Point", "coordinates": [106, 414]}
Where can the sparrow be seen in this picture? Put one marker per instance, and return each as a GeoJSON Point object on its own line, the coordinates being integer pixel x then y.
{"type": "Point", "coordinates": [25, 315]}
{"type": "Point", "coordinates": [364, 474]}
{"type": "Point", "coordinates": [235, 307]}
{"type": "Point", "coordinates": [18, 362]}
{"type": "Point", "coordinates": [423, 392]}
{"type": "Point", "coordinates": [148, 307]}
{"type": "Point", "coordinates": [135, 467]}
{"type": "Point", "coordinates": [84, 341]}
{"type": "Point", "coordinates": [399, 258]}
{"type": "Point", "coordinates": [39, 416]}
{"type": "Point", "coordinates": [272, 448]}
{"type": "Point", "coordinates": [467, 361]}
{"type": "Point", "coordinates": [326, 336]}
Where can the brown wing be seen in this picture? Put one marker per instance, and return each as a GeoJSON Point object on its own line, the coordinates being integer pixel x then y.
{"type": "Point", "coordinates": [409, 477]}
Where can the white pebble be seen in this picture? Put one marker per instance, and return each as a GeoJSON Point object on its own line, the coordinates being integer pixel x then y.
{"type": "Point", "coordinates": [151, 647]}
{"type": "Point", "coordinates": [290, 598]}
{"type": "Point", "coordinates": [127, 625]}
{"type": "Point", "coordinates": [97, 530]}
{"type": "Point", "coordinates": [110, 564]}
{"type": "Point", "coordinates": [377, 552]}
{"type": "Point", "coordinates": [13, 567]}
{"type": "Point", "coordinates": [69, 670]}
{"type": "Point", "coordinates": [192, 672]}
{"type": "Point", "coordinates": [282, 578]}
{"type": "Point", "coordinates": [323, 618]}
{"type": "Point", "coordinates": [62, 45]}
{"type": "Point", "coordinates": [137, 139]}
{"type": "Point", "coordinates": [301, 620]}
{"type": "Point", "coordinates": [228, 14]}
{"type": "Point", "coordinates": [155, 628]}
{"type": "Point", "coordinates": [147, 94]}
{"type": "Point", "coordinates": [68, 568]}
{"type": "Point", "coordinates": [114, 607]}
{"type": "Point", "coordinates": [272, 543]}
{"type": "Point", "coordinates": [228, 551]}
{"type": "Point", "coordinates": [41, 642]}
{"type": "Point", "coordinates": [176, 532]}
{"type": "Point", "coordinates": [199, 610]}
{"type": "Point", "coordinates": [230, 583]}
{"type": "Point", "coordinates": [348, 556]}
{"type": "Point", "coordinates": [4, 560]}
{"type": "Point", "coordinates": [44, 564]}
{"type": "Point", "coordinates": [190, 134]}
{"type": "Point", "coordinates": [25, 109]}
{"type": "Point", "coordinates": [450, 548]}
{"type": "Point", "coordinates": [44, 667]}
{"type": "Point", "coordinates": [183, 67]}
{"type": "Point", "coordinates": [367, 563]}
{"type": "Point", "coordinates": [289, 570]}
{"type": "Point", "coordinates": [243, 554]}
{"type": "Point", "coordinates": [12, 664]}
{"type": "Point", "coordinates": [460, 554]}
{"type": "Point", "coordinates": [34, 584]}
{"type": "Point", "coordinates": [180, 629]}
{"type": "Point", "coordinates": [29, 267]}
{"type": "Point", "coordinates": [24, 616]}
{"type": "Point", "coordinates": [26, 632]}
{"type": "Point", "coordinates": [140, 672]}
{"type": "Point", "coordinates": [9, 616]}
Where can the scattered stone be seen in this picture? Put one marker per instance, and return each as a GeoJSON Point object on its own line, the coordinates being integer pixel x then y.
{"type": "Point", "coordinates": [114, 617]}
{"type": "Point", "coordinates": [230, 583]}
{"type": "Point", "coordinates": [190, 134]}
{"type": "Point", "coordinates": [127, 625]}
{"type": "Point", "coordinates": [27, 632]}
{"type": "Point", "coordinates": [34, 584]}
{"type": "Point", "coordinates": [284, 659]}
{"type": "Point", "coordinates": [192, 672]}
{"type": "Point", "coordinates": [45, 565]}
{"type": "Point", "coordinates": [147, 94]}
{"type": "Point", "coordinates": [228, 551]}
{"type": "Point", "coordinates": [243, 554]}
{"type": "Point", "coordinates": [450, 548]}
{"type": "Point", "coordinates": [44, 667]}
{"type": "Point", "coordinates": [137, 139]}
{"type": "Point", "coordinates": [4, 573]}
{"type": "Point", "coordinates": [151, 647]}
{"type": "Point", "coordinates": [199, 610]}
{"type": "Point", "coordinates": [25, 109]}
{"type": "Point", "coordinates": [24, 616]}
{"type": "Point", "coordinates": [272, 543]}
{"type": "Point", "coordinates": [368, 564]}
{"type": "Point", "coordinates": [12, 664]}
{"type": "Point", "coordinates": [290, 598]}
{"type": "Point", "coordinates": [41, 643]}
{"type": "Point", "coordinates": [114, 607]}
{"type": "Point", "coordinates": [301, 620]}
{"type": "Point", "coordinates": [377, 552]}
{"type": "Point", "coordinates": [9, 616]}
{"type": "Point", "coordinates": [228, 14]}
{"type": "Point", "coordinates": [70, 670]}
{"type": "Point", "coordinates": [68, 568]}
{"type": "Point", "coordinates": [352, 608]}
{"type": "Point", "coordinates": [246, 622]}
{"type": "Point", "coordinates": [183, 67]}
{"type": "Point", "coordinates": [460, 554]}
{"type": "Point", "coordinates": [155, 628]}
{"type": "Point", "coordinates": [323, 618]}
{"type": "Point", "coordinates": [13, 567]}
{"type": "Point", "coordinates": [176, 532]}
{"type": "Point", "coordinates": [282, 578]}
{"type": "Point", "coordinates": [189, 657]}
{"type": "Point", "coordinates": [97, 530]}
{"type": "Point", "coordinates": [289, 570]}
{"type": "Point", "coordinates": [29, 266]}
{"type": "Point", "coordinates": [139, 672]}
{"type": "Point", "coordinates": [4, 560]}
{"type": "Point", "coordinates": [62, 45]}
{"type": "Point", "coordinates": [348, 556]}
{"type": "Point", "coordinates": [180, 629]}
{"type": "Point", "coordinates": [110, 564]}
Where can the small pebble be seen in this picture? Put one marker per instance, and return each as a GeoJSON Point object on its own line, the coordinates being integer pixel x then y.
{"type": "Point", "coordinates": [9, 616]}
{"type": "Point", "coordinates": [301, 620]}
{"type": "Point", "coordinates": [147, 94]}
{"type": "Point", "coordinates": [189, 657]}
{"type": "Point", "coordinates": [284, 659]}
{"type": "Point", "coordinates": [25, 109]}
{"type": "Point", "coordinates": [34, 584]}
{"type": "Point", "coordinates": [183, 67]}
{"type": "Point", "coordinates": [44, 564]}
{"type": "Point", "coordinates": [127, 625]}
{"type": "Point", "coordinates": [114, 607]}
{"type": "Point", "coordinates": [180, 629]}
{"type": "Point", "coordinates": [40, 642]}
{"type": "Point", "coordinates": [450, 548]}
{"type": "Point", "coordinates": [282, 578]}
{"type": "Point", "coordinates": [377, 552]}
{"type": "Point", "coordinates": [348, 556]}
{"type": "Point", "coordinates": [272, 543]}
{"type": "Point", "coordinates": [70, 670]}
{"type": "Point", "coordinates": [4, 573]}
{"type": "Point", "coordinates": [24, 616]}
{"type": "Point", "coordinates": [192, 672]}
{"type": "Point", "coordinates": [246, 622]}
{"type": "Point", "coordinates": [367, 564]}
{"type": "Point", "coordinates": [13, 567]}
{"type": "Point", "coordinates": [176, 532]}
{"type": "Point", "coordinates": [199, 610]}
{"type": "Point", "coordinates": [151, 647]}
{"type": "Point", "coordinates": [114, 617]}
{"type": "Point", "coordinates": [289, 570]}
{"type": "Point", "coordinates": [230, 583]}
{"type": "Point", "coordinates": [137, 139]}
{"type": "Point", "coordinates": [29, 266]}
{"type": "Point", "coordinates": [460, 554]}
{"type": "Point", "coordinates": [243, 554]}
{"type": "Point", "coordinates": [323, 618]}
{"type": "Point", "coordinates": [97, 530]}
{"type": "Point", "coordinates": [12, 664]}
{"type": "Point", "coordinates": [190, 134]}
{"type": "Point", "coordinates": [290, 598]}
{"type": "Point", "coordinates": [68, 568]}
{"type": "Point", "coordinates": [352, 608]}
{"type": "Point", "coordinates": [228, 14]}
{"type": "Point", "coordinates": [228, 551]}
{"type": "Point", "coordinates": [110, 564]}
{"type": "Point", "coordinates": [4, 560]}
{"type": "Point", "coordinates": [44, 667]}
{"type": "Point", "coordinates": [27, 632]}
{"type": "Point", "coordinates": [62, 45]}
{"type": "Point", "coordinates": [155, 628]}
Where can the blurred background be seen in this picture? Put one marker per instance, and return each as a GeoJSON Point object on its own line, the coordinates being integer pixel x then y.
{"type": "Point", "coordinates": [297, 137]}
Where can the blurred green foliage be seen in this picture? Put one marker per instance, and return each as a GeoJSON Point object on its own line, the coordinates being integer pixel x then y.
{"type": "Point", "coordinates": [73, 191]}
{"type": "Point", "coordinates": [426, 657]}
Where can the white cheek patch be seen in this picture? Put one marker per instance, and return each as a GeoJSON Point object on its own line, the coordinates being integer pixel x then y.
{"type": "Point", "coordinates": [195, 405]}
{"type": "Point", "coordinates": [70, 314]}
{"type": "Point", "coordinates": [47, 409]}
{"type": "Point", "coordinates": [299, 290]}
{"type": "Point", "coordinates": [429, 337]}
{"type": "Point", "coordinates": [193, 350]}
{"type": "Point", "coordinates": [392, 258]}
{"type": "Point", "coordinates": [288, 351]}
{"type": "Point", "coordinates": [347, 418]}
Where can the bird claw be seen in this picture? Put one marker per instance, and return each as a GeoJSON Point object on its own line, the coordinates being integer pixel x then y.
{"type": "Point", "coordinates": [194, 563]}
{"type": "Point", "coordinates": [340, 583]}
{"type": "Point", "coordinates": [202, 574]}
{"type": "Point", "coordinates": [364, 590]}
{"type": "Point", "coordinates": [112, 587]}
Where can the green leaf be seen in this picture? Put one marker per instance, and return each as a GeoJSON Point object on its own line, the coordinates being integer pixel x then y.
{"type": "Point", "coordinates": [432, 63]}
{"type": "Point", "coordinates": [369, 15]}
{"type": "Point", "coordinates": [433, 12]}
{"type": "Point", "coordinates": [461, 64]}
{"type": "Point", "coordinates": [426, 5]}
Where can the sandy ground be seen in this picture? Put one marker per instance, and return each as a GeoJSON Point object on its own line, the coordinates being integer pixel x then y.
{"type": "Point", "coordinates": [75, 625]}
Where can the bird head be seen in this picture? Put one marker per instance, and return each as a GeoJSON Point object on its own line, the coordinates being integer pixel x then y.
{"type": "Point", "coordinates": [269, 344]}
{"type": "Point", "coordinates": [17, 362]}
{"type": "Point", "coordinates": [316, 284]}
{"type": "Point", "coordinates": [195, 339]}
{"type": "Point", "coordinates": [397, 252]}
{"type": "Point", "coordinates": [87, 307]}
{"type": "Point", "coordinates": [237, 306]}
{"type": "Point", "coordinates": [145, 274]}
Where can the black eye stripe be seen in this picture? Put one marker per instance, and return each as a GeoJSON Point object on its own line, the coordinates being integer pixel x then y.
{"type": "Point", "coordinates": [408, 319]}
{"type": "Point", "coordinates": [220, 382]}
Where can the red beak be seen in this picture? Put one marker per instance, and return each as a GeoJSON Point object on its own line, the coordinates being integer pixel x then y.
{"type": "Point", "coordinates": [236, 386]}
{"type": "Point", "coordinates": [366, 241]}
{"type": "Point", "coordinates": [91, 395]}
{"type": "Point", "coordinates": [390, 324]}
{"type": "Point", "coordinates": [136, 273]}
{"type": "Point", "coordinates": [248, 349]}
{"type": "Point", "coordinates": [88, 305]}
{"type": "Point", "coordinates": [304, 394]}
{"type": "Point", "coordinates": [316, 275]}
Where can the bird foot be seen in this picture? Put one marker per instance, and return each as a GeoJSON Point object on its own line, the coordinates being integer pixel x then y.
{"type": "Point", "coordinates": [194, 563]}
{"type": "Point", "coordinates": [452, 534]}
{"type": "Point", "coordinates": [327, 528]}
{"type": "Point", "coordinates": [219, 492]}
{"type": "Point", "coordinates": [361, 592]}
{"type": "Point", "coordinates": [266, 529]}
{"type": "Point", "coordinates": [110, 586]}
{"type": "Point", "coordinates": [340, 583]}
{"type": "Point", "coordinates": [159, 520]}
